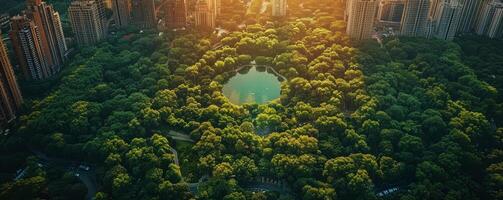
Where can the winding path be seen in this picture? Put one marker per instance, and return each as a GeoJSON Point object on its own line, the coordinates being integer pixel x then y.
{"type": "Point", "coordinates": [175, 135]}
{"type": "Point", "coordinates": [87, 177]}
{"type": "Point", "coordinates": [177, 162]}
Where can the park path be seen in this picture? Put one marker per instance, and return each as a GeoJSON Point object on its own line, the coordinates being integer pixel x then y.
{"type": "Point", "coordinates": [86, 177]}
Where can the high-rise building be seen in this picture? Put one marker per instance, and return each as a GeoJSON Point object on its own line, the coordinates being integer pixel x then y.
{"type": "Point", "coordinates": [108, 4]}
{"type": "Point", "coordinates": [215, 6]}
{"type": "Point", "coordinates": [279, 8]}
{"type": "Point", "coordinates": [445, 19]}
{"type": "Point", "coordinates": [415, 18]}
{"type": "Point", "coordinates": [390, 10]}
{"type": "Point", "coordinates": [361, 18]}
{"type": "Point", "coordinates": [27, 43]}
{"type": "Point", "coordinates": [469, 14]}
{"type": "Point", "coordinates": [204, 16]}
{"type": "Point", "coordinates": [10, 95]}
{"type": "Point", "coordinates": [86, 22]}
{"type": "Point", "coordinates": [390, 13]}
{"type": "Point", "coordinates": [122, 12]}
{"type": "Point", "coordinates": [176, 14]}
{"type": "Point", "coordinates": [103, 18]}
{"type": "Point", "coordinates": [51, 33]}
{"type": "Point", "coordinates": [490, 21]}
{"type": "Point", "coordinates": [433, 8]}
{"type": "Point", "coordinates": [143, 13]}
{"type": "Point", "coordinates": [218, 8]}
{"type": "Point", "coordinates": [496, 26]}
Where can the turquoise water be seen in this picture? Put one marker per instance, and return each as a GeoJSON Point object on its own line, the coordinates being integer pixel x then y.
{"type": "Point", "coordinates": [252, 87]}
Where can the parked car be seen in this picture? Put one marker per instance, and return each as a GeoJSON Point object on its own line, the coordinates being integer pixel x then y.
{"type": "Point", "coordinates": [83, 167]}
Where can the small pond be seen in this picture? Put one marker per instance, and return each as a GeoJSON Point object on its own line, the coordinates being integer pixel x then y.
{"type": "Point", "coordinates": [253, 85]}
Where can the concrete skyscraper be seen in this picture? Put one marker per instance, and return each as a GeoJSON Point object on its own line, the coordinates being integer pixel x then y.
{"type": "Point", "coordinates": [204, 16]}
{"type": "Point", "coordinates": [279, 8]}
{"type": "Point", "coordinates": [490, 21]}
{"type": "Point", "coordinates": [360, 20]}
{"type": "Point", "coordinates": [10, 95]}
{"type": "Point", "coordinates": [86, 22]}
{"type": "Point", "coordinates": [176, 14]}
{"type": "Point", "coordinates": [469, 15]}
{"type": "Point", "coordinates": [215, 6]}
{"type": "Point", "coordinates": [143, 13]}
{"type": "Point", "coordinates": [415, 18]}
{"type": "Point", "coordinates": [27, 43]}
{"type": "Point", "coordinates": [51, 33]}
{"type": "Point", "coordinates": [445, 19]}
{"type": "Point", "coordinates": [390, 13]}
{"type": "Point", "coordinates": [122, 12]}
{"type": "Point", "coordinates": [102, 15]}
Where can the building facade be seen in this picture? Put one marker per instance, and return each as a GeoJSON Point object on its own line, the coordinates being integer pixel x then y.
{"type": "Point", "coordinates": [51, 33]}
{"type": "Point", "coordinates": [391, 10]}
{"type": "Point", "coordinates": [10, 95]}
{"type": "Point", "coordinates": [445, 20]}
{"type": "Point", "coordinates": [86, 22]}
{"type": "Point", "coordinates": [469, 13]}
{"type": "Point", "coordinates": [360, 20]}
{"type": "Point", "coordinates": [101, 12]}
{"type": "Point", "coordinates": [27, 44]}
{"type": "Point", "coordinates": [176, 14]}
{"type": "Point", "coordinates": [415, 18]}
{"type": "Point", "coordinates": [143, 14]}
{"type": "Point", "coordinates": [204, 16]}
{"type": "Point", "coordinates": [490, 21]}
{"type": "Point", "coordinates": [279, 8]}
{"type": "Point", "coordinates": [121, 12]}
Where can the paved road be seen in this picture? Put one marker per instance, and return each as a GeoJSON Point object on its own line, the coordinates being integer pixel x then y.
{"type": "Point", "coordinates": [193, 186]}
{"type": "Point", "coordinates": [87, 177]}
{"type": "Point", "coordinates": [216, 46]}
{"type": "Point", "coordinates": [253, 186]}
{"type": "Point", "coordinates": [177, 162]}
{"type": "Point", "coordinates": [175, 135]}
{"type": "Point", "coordinates": [264, 187]}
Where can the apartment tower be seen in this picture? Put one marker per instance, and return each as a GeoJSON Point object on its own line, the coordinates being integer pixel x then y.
{"type": "Point", "coordinates": [204, 16]}
{"type": "Point", "coordinates": [143, 14]}
{"type": "Point", "coordinates": [51, 33]}
{"type": "Point", "coordinates": [121, 12]}
{"type": "Point", "coordinates": [361, 18]}
{"type": "Point", "coordinates": [469, 13]}
{"type": "Point", "coordinates": [415, 18]}
{"type": "Point", "coordinates": [10, 95]}
{"type": "Point", "coordinates": [27, 44]}
{"type": "Point", "coordinates": [279, 8]}
{"type": "Point", "coordinates": [445, 21]}
{"type": "Point", "coordinates": [490, 21]}
{"type": "Point", "coordinates": [86, 24]}
{"type": "Point", "coordinates": [176, 14]}
{"type": "Point", "coordinates": [390, 13]}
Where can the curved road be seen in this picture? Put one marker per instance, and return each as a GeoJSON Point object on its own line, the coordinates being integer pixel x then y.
{"type": "Point", "coordinates": [175, 135]}
{"type": "Point", "coordinates": [256, 186]}
{"type": "Point", "coordinates": [87, 177]}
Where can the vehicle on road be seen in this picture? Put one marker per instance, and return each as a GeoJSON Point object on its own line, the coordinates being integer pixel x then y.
{"type": "Point", "coordinates": [83, 167]}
